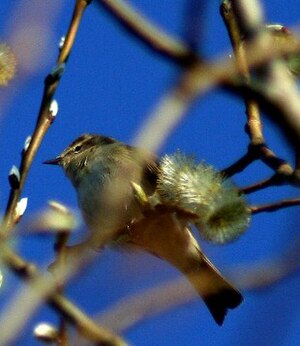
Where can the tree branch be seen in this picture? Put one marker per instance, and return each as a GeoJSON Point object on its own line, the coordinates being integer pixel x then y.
{"type": "Point", "coordinates": [149, 34]}
{"type": "Point", "coordinates": [46, 289]}
{"type": "Point", "coordinates": [257, 150]}
{"type": "Point", "coordinates": [286, 203]}
{"type": "Point", "coordinates": [45, 117]}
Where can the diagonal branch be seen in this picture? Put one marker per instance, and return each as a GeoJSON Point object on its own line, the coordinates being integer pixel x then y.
{"type": "Point", "coordinates": [286, 203]}
{"type": "Point", "coordinates": [45, 117]}
{"type": "Point", "coordinates": [149, 34]}
{"type": "Point", "coordinates": [46, 289]}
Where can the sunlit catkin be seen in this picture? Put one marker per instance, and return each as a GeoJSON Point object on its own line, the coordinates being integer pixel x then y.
{"type": "Point", "coordinates": [222, 212]}
{"type": "Point", "coordinates": [7, 64]}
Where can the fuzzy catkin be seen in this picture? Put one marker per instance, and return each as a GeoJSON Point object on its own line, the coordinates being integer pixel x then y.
{"type": "Point", "coordinates": [222, 213]}
{"type": "Point", "coordinates": [7, 64]}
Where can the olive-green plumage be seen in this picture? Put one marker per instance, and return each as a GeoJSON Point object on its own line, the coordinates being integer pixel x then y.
{"type": "Point", "coordinates": [102, 171]}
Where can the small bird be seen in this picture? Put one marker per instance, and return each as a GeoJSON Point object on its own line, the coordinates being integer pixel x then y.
{"type": "Point", "coordinates": [103, 171]}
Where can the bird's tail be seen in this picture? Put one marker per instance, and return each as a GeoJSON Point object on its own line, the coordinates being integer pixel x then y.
{"type": "Point", "coordinates": [218, 294]}
{"type": "Point", "coordinates": [168, 237]}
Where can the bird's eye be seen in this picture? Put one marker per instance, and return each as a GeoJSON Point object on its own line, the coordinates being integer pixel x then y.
{"type": "Point", "coordinates": [77, 148]}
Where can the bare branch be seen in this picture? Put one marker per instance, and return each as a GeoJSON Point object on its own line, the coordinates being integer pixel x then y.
{"type": "Point", "coordinates": [149, 34]}
{"type": "Point", "coordinates": [257, 149]}
{"type": "Point", "coordinates": [274, 180]}
{"type": "Point", "coordinates": [130, 311]}
{"type": "Point", "coordinates": [42, 288]}
{"type": "Point", "coordinates": [286, 203]}
{"type": "Point", "coordinates": [45, 117]}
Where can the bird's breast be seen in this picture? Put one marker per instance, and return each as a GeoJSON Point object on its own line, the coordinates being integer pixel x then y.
{"type": "Point", "coordinates": [106, 199]}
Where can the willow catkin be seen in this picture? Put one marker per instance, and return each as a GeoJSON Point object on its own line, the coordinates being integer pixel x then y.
{"type": "Point", "coordinates": [7, 64]}
{"type": "Point", "coordinates": [222, 212]}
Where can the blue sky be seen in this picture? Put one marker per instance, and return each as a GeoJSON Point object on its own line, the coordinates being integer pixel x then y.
{"type": "Point", "coordinates": [111, 84]}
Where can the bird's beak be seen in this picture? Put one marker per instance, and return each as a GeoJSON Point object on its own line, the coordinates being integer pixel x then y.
{"type": "Point", "coordinates": [55, 161]}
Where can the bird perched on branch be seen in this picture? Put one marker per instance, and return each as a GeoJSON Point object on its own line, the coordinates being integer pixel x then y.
{"type": "Point", "coordinates": [117, 193]}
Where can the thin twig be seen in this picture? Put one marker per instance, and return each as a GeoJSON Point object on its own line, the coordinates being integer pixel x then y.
{"type": "Point", "coordinates": [61, 304]}
{"type": "Point", "coordinates": [60, 248]}
{"type": "Point", "coordinates": [132, 310]}
{"type": "Point", "coordinates": [149, 34]}
{"type": "Point", "coordinates": [258, 148]}
{"type": "Point", "coordinates": [274, 180]}
{"type": "Point", "coordinates": [45, 118]}
{"type": "Point", "coordinates": [239, 165]}
{"type": "Point", "coordinates": [286, 203]}
{"type": "Point", "coordinates": [277, 85]}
